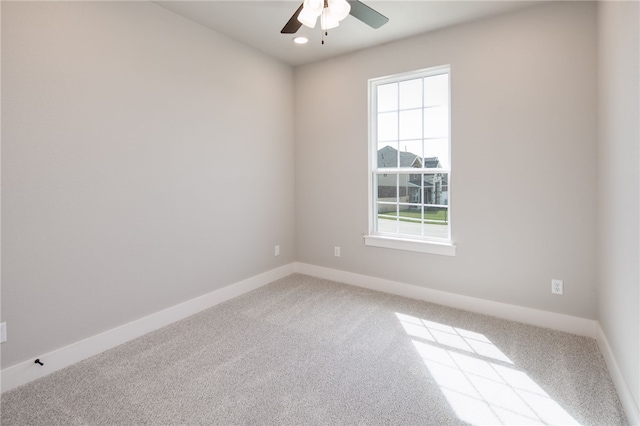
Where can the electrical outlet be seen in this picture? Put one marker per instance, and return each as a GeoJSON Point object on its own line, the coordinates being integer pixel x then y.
{"type": "Point", "coordinates": [557, 287]}
{"type": "Point", "coordinates": [336, 251]}
{"type": "Point", "coordinates": [3, 332]}
{"type": "Point", "coordinates": [276, 251]}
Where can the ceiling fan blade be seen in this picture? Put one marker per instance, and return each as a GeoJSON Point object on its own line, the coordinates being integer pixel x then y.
{"type": "Point", "coordinates": [293, 25]}
{"type": "Point", "coordinates": [367, 15]}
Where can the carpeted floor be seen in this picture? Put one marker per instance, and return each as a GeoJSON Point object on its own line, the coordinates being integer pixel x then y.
{"type": "Point", "coordinates": [308, 351]}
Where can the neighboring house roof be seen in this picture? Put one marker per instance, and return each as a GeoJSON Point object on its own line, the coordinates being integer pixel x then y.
{"type": "Point", "coordinates": [388, 157]}
{"type": "Point", "coordinates": [432, 163]}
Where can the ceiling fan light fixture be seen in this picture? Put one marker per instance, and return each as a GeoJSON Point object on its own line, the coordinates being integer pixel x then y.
{"type": "Point", "coordinates": [308, 18]}
{"type": "Point", "coordinates": [310, 11]}
{"type": "Point", "coordinates": [314, 5]}
{"type": "Point", "coordinates": [331, 12]}
{"type": "Point", "coordinates": [328, 20]}
{"type": "Point", "coordinates": [339, 8]}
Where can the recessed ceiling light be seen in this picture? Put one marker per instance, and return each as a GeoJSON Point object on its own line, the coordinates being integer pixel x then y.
{"type": "Point", "coordinates": [300, 40]}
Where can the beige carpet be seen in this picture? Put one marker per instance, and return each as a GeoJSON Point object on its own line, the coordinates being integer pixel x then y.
{"type": "Point", "coordinates": [308, 351]}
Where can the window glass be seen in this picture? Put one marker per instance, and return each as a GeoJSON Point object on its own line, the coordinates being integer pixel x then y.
{"type": "Point", "coordinates": [410, 130]}
{"type": "Point", "coordinates": [387, 126]}
{"type": "Point", "coordinates": [436, 122]}
{"type": "Point", "coordinates": [437, 149]}
{"type": "Point", "coordinates": [410, 124]}
{"type": "Point", "coordinates": [436, 90]}
{"type": "Point", "coordinates": [411, 94]}
{"type": "Point", "coordinates": [387, 97]}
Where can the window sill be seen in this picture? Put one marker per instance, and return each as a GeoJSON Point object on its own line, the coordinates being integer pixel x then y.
{"type": "Point", "coordinates": [445, 249]}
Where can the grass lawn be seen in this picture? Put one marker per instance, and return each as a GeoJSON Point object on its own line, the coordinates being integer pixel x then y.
{"type": "Point", "coordinates": [435, 216]}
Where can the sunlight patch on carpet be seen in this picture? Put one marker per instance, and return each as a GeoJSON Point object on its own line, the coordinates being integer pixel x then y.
{"type": "Point", "coordinates": [478, 380]}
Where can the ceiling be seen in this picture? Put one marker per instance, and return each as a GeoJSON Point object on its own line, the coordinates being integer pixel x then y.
{"type": "Point", "coordinates": [258, 23]}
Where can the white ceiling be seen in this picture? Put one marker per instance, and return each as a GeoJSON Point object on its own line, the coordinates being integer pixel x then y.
{"type": "Point", "coordinates": [258, 23]}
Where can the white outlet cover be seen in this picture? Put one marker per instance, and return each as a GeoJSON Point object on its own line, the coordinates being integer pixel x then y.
{"type": "Point", "coordinates": [557, 287]}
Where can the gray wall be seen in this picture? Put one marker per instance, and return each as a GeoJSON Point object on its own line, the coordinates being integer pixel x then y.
{"type": "Point", "coordinates": [523, 155]}
{"type": "Point", "coordinates": [619, 185]}
{"type": "Point", "coordinates": [145, 161]}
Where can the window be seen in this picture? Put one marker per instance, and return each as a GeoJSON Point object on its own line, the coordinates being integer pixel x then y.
{"type": "Point", "coordinates": [410, 162]}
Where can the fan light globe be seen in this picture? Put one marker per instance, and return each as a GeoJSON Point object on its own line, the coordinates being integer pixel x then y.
{"type": "Point", "coordinates": [339, 8]}
{"type": "Point", "coordinates": [310, 11]}
{"type": "Point", "coordinates": [308, 18]}
{"type": "Point", "coordinates": [328, 20]}
{"type": "Point", "coordinates": [315, 5]}
{"type": "Point", "coordinates": [330, 16]}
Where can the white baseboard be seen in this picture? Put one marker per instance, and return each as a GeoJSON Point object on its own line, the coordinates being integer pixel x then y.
{"type": "Point", "coordinates": [626, 398]}
{"type": "Point", "coordinates": [554, 321]}
{"type": "Point", "coordinates": [28, 371]}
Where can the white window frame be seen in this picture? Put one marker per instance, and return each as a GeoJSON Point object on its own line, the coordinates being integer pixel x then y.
{"type": "Point", "coordinates": [441, 246]}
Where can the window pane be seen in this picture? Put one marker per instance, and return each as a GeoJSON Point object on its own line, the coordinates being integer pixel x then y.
{"type": "Point", "coordinates": [387, 221]}
{"type": "Point", "coordinates": [436, 153]}
{"type": "Point", "coordinates": [387, 185]}
{"type": "Point", "coordinates": [411, 124]}
{"type": "Point", "coordinates": [406, 186]}
{"type": "Point", "coordinates": [410, 220]}
{"type": "Point", "coordinates": [387, 126]}
{"type": "Point", "coordinates": [435, 189]}
{"type": "Point", "coordinates": [436, 222]}
{"type": "Point", "coordinates": [387, 203]}
{"type": "Point", "coordinates": [436, 90]}
{"type": "Point", "coordinates": [388, 97]}
{"type": "Point", "coordinates": [436, 122]}
{"type": "Point", "coordinates": [387, 155]}
{"type": "Point", "coordinates": [411, 94]}
{"type": "Point", "coordinates": [413, 204]}
{"type": "Point", "coordinates": [411, 153]}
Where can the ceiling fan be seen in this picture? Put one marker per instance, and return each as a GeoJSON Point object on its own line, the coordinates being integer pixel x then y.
{"type": "Point", "coordinates": [330, 13]}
